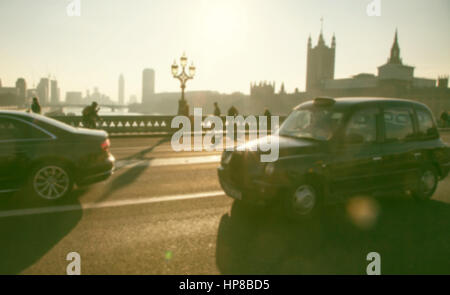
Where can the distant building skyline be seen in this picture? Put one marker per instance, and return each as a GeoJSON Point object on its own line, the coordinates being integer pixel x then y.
{"type": "Point", "coordinates": [393, 70]}
{"type": "Point", "coordinates": [148, 85]}
{"type": "Point", "coordinates": [21, 86]}
{"type": "Point", "coordinates": [320, 62]}
{"type": "Point", "coordinates": [133, 99]}
{"type": "Point", "coordinates": [74, 97]}
{"type": "Point", "coordinates": [55, 92]}
{"type": "Point", "coordinates": [232, 42]}
{"type": "Point", "coordinates": [43, 90]}
{"type": "Point", "coordinates": [121, 95]}
{"type": "Point", "coordinates": [393, 79]}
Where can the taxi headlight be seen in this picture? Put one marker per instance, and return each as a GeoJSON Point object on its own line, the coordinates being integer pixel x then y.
{"type": "Point", "coordinates": [270, 168]}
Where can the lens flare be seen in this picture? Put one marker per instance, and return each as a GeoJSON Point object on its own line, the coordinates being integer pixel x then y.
{"type": "Point", "coordinates": [363, 212]}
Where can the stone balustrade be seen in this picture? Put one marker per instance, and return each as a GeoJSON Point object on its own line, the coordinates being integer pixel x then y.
{"type": "Point", "coordinates": [139, 124]}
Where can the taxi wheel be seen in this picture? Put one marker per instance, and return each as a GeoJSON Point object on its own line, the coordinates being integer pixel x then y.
{"type": "Point", "coordinates": [427, 184]}
{"type": "Point", "coordinates": [303, 202]}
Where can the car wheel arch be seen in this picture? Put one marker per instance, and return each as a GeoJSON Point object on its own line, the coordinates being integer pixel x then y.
{"type": "Point", "coordinates": [52, 159]}
{"type": "Point", "coordinates": [431, 161]}
{"type": "Point", "coordinates": [435, 164]}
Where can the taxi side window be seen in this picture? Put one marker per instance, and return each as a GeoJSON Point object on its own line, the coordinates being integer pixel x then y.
{"type": "Point", "coordinates": [427, 128]}
{"type": "Point", "coordinates": [398, 124]}
{"type": "Point", "coordinates": [363, 126]}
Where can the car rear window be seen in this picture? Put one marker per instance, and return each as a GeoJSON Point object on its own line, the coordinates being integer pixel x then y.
{"type": "Point", "coordinates": [38, 119]}
{"type": "Point", "coordinates": [12, 129]}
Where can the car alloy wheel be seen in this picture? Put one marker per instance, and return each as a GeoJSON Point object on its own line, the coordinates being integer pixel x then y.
{"type": "Point", "coordinates": [303, 200]}
{"type": "Point", "coordinates": [51, 182]}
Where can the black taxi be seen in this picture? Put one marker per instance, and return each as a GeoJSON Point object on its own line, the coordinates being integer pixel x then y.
{"type": "Point", "coordinates": [330, 149]}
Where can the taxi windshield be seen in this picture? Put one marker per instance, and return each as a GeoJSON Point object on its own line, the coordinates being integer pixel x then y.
{"type": "Point", "coordinates": [312, 123]}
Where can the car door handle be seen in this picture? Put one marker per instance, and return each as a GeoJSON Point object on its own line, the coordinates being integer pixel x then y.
{"type": "Point", "coordinates": [377, 158]}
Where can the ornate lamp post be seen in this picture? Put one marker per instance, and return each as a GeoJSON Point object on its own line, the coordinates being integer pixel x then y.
{"type": "Point", "coordinates": [183, 108]}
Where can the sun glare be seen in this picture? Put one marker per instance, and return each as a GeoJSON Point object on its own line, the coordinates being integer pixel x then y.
{"type": "Point", "coordinates": [223, 21]}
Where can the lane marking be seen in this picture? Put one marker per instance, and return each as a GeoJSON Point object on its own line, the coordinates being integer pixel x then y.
{"type": "Point", "coordinates": [168, 161]}
{"type": "Point", "coordinates": [108, 204]}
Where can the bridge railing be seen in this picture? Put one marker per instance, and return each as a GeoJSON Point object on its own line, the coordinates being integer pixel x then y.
{"type": "Point", "coordinates": [143, 124]}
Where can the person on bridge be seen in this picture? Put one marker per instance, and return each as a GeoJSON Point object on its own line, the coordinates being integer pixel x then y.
{"type": "Point", "coordinates": [217, 113]}
{"type": "Point", "coordinates": [90, 116]}
{"type": "Point", "coordinates": [268, 116]}
{"type": "Point", "coordinates": [216, 110]}
{"type": "Point", "coordinates": [35, 106]}
{"type": "Point", "coordinates": [444, 119]}
{"type": "Point", "coordinates": [233, 111]}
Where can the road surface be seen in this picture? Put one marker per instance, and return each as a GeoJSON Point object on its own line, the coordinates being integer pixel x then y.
{"type": "Point", "coordinates": [164, 213]}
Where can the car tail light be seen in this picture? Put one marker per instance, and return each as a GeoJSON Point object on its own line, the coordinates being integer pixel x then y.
{"type": "Point", "coordinates": [106, 144]}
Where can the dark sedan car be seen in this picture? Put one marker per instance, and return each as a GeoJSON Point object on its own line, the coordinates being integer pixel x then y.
{"type": "Point", "coordinates": [330, 149]}
{"type": "Point", "coordinates": [48, 157]}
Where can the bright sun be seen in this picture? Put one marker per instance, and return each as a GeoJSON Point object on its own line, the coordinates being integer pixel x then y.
{"type": "Point", "coordinates": [224, 21]}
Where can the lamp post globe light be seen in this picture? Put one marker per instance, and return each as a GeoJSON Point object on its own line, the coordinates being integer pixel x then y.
{"type": "Point", "coordinates": [183, 108]}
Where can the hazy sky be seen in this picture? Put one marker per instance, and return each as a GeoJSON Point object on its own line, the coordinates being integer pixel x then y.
{"type": "Point", "coordinates": [232, 42]}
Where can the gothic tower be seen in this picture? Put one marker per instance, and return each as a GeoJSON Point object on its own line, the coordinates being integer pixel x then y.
{"type": "Point", "coordinates": [395, 52]}
{"type": "Point", "coordinates": [320, 62]}
{"type": "Point", "coordinates": [394, 69]}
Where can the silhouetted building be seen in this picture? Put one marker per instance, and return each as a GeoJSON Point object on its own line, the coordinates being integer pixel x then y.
{"type": "Point", "coordinates": [8, 96]}
{"type": "Point", "coordinates": [121, 90]}
{"type": "Point", "coordinates": [262, 89]}
{"type": "Point", "coordinates": [395, 70]}
{"type": "Point", "coordinates": [21, 86]}
{"type": "Point", "coordinates": [31, 93]}
{"type": "Point", "coordinates": [320, 62]}
{"type": "Point", "coordinates": [74, 97]}
{"type": "Point", "coordinates": [392, 73]}
{"type": "Point", "coordinates": [282, 90]}
{"type": "Point", "coordinates": [43, 90]}
{"type": "Point", "coordinates": [9, 90]}
{"type": "Point", "coordinates": [394, 79]}
{"type": "Point", "coordinates": [148, 85]}
{"type": "Point", "coordinates": [13, 96]}
{"type": "Point", "coordinates": [55, 92]}
{"type": "Point", "coordinates": [133, 99]}
{"type": "Point", "coordinates": [442, 82]}
{"type": "Point", "coordinates": [362, 80]}
{"type": "Point", "coordinates": [98, 97]}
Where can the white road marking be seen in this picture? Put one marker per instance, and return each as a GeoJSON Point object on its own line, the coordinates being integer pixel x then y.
{"type": "Point", "coordinates": [168, 161]}
{"type": "Point", "coordinates": [108, 204]}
